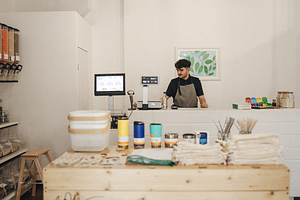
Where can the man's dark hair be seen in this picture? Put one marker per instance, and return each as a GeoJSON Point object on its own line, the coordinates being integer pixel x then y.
{"type": "Point", "coordinates": [182, 63]}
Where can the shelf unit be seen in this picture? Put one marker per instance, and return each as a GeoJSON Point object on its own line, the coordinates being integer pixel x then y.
{"type": "Point", "coordinates": [8, 81]}
{"type": "Point", "coordinates": [10, 157]}
{"type": "Point", "coordinates": [8, 124]}
{"type": "Point", "coordinates": [13, 194]}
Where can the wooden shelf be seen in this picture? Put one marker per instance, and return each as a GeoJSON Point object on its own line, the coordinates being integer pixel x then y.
{"type": "Point", "coordinates": [14, 193]}
{"type": "Point", "coordinates": [10, 195]}
{"type": "Point", "coordinates": [12, 155]}
{"type": "Point", "coordinates": [8, 124]}
{"type": "Point", "coordinates": [8, 81]}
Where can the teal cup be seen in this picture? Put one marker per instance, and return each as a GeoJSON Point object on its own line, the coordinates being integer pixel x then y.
{"type": "Point", "coordinates": [155, 134]}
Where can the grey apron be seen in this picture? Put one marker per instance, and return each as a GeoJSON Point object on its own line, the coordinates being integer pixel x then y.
{"type": "Point", "coordinates": [186, 96]}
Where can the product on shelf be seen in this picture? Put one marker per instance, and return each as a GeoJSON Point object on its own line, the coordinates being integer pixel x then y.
{"type": "Point", "coordinates": [4, 43]}
{"type": "Point", "coordinates": [9, 53]}
{"type": "Point", "coordinates": [0, 42]}
{"type": "Point", "coordinates": [17, 45]}
{"type": "Point", "coordinates": [11, 45]}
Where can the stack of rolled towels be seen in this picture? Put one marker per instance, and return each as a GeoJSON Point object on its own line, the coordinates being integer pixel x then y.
{"type": "Point", "coordinates": [186, 153]}
{"type": "Point", "coordinates": [254, 149]}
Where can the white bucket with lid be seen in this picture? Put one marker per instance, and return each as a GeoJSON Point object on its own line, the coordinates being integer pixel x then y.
{"type": "Point", "coordinates": [89, 129]}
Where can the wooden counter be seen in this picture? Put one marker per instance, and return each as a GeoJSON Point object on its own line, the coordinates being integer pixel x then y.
{"type": "Point", "coordinates": [285, 122]}
{"type": "Point", "coordinates": [137, 182]}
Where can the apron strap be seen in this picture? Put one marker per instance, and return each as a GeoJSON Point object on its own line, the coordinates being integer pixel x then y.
{"type": "Point", "coordinates": [179, 84]}
{"type": "Point", "coordinates": [179, 87]}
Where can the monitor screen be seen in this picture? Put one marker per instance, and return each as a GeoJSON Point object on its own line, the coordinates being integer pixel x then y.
{"type": "Point", "coordinates": [109, 84]}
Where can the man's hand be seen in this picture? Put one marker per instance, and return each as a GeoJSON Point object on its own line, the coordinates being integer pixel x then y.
{"type": "Point", "coordinates": [203, 103]}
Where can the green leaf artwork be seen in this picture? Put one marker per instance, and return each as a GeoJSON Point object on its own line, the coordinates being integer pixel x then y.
{"type": "Point", "coordinates": [203, 63]}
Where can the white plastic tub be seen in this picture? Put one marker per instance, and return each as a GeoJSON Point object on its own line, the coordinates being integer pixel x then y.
{"type": "Point", "coordinates": [89, 130]}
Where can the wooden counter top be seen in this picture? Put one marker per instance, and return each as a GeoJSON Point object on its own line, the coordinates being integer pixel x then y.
{"type": "Point", "coordinates": [112, 150]}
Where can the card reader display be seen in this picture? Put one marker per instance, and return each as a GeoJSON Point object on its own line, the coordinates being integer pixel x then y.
{"type": "Point", "coordinates": [149, 79]}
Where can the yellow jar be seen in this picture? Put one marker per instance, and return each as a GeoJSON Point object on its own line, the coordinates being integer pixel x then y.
{"type": "Point", "coordinates": [123, 129]}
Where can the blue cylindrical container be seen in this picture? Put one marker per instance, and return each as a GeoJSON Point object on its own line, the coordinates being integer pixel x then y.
{"type": "Point", "coordinates": [203, 138]}
{"type": "Point", "coordinates": [139, 135]}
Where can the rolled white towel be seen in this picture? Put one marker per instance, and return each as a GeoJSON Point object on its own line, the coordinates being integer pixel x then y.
{"type": "Point", "coordinates": [254, 136]}
{"type": "Point", "coordinates": [249, 161]}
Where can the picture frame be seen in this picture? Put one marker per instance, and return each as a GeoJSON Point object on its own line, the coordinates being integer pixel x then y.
{"type": "Point", "coordinates": [205, 61]}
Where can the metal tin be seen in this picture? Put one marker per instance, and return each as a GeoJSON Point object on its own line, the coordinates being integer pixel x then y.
{"type": "Point", "coordinates": [171, 140]}
{"type": "Point", "coordinates": [189, 137]}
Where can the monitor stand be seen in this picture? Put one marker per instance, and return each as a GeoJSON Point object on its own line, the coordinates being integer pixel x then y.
{"type": "Point", "coordinates": [111, 107]}
{"type": "Point", "coordinates": [111, 103]}
{"type": "Point", "coordinates": [114, 115]}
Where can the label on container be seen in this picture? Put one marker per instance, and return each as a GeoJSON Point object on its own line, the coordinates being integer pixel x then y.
{"type": "Point", "coordinates": [12, 58]}
{"type": "Point", "coordinates": [155, 140]}
{"type": "Point", "coordinates": [123, 140]}
{"type": "Point", "coordinates": [189, 140]}
{"type": "Point", "coordinates": [17, 58]}
{"type": "Point", "coordinates": [0, 56]}
{"type": "Point", "coordinates": [171, 141]}
{"type": "Point", "coordinates": [5, 56]}
{"type": "Point", "coordinates": [203, 140]}
{"type": "Point", "coordinates": [139, 141]}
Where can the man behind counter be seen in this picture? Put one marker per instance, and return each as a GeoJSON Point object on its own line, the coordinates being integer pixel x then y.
{"type": "Point", "coordinates": [186, 89]}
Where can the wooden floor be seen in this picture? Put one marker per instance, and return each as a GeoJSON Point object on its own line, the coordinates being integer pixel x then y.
{"type": "Point", "coordinates": [38, 194]}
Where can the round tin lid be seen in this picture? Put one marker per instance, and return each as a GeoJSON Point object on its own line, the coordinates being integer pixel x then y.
{"type": "Point", "coordinates": [123, 118]}
{"type": "Point", "coordinates": [189, 135]}
{"type": "Point", "coordinates": [138, 123]}
{"type": "Point", "coordinates": [171, 135]}
{"type": "Point", "coordinates": [155, 124]}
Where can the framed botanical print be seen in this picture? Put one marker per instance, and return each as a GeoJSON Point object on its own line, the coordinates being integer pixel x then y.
{"type": "Point", "coordinates": [205, 61]}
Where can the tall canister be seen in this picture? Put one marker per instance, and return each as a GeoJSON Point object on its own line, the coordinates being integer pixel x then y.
{"type": "Point", "coordinates": [11, 45]}
{"type": "Point", "coordinates": [123, 129]}
{"type": "Point", "coordinates": [155, 134]}
{"type": "Point", "coordinates": [17, 45]}
{"type": "Point", "coordinates": [4, 43]}
{"type": "Point", "coordinates": [139, 135]}
{"type": "Point", "coordinates": [0, 42]}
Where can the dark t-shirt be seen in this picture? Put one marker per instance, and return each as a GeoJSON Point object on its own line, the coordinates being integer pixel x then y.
{"type": "Point", "coordinates": [173, 86]}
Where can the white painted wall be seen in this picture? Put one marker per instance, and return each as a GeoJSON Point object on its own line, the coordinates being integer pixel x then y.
{"type": "Point", "coordinates": [82, 7]}
{"type": "Point", "coordinates": [258, 41]}
{"type": "Point", "coordinates": [107, 45]}
{"type": "Point", "coordinates": [47, 87]}
{"type": "Point", "coordinates": [286, 44]}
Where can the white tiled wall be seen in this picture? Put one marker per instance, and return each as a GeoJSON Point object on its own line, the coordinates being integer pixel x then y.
{"type": "Point", "coordinates": [286, 122]}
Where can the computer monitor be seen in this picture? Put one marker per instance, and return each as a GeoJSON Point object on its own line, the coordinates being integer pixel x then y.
{"type": "Point", "coordinates": [109, 85]}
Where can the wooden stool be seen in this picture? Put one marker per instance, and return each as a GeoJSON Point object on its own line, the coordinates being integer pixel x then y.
{"type": "Point", "coordinates": [33, 156]}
